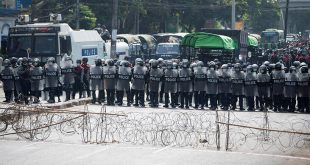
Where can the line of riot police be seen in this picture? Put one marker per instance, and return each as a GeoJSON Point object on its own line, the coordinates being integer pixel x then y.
{"type": "Point", "coordinates": [26, 78]}
{"type": "Point", "coordinates": [174, 83]}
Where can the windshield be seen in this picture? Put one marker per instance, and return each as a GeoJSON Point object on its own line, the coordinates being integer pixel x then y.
{"type": "Point", "coordinates": [45, 44]}
{"type": "Point", "coordinates": [290, 38]}
{"type": "Point", "coordinates": [168, 49]}
{"type": "Point", "coordinates": [19, 45]}
{"type": "Point", "coordinates": [270, 37]}
{"type": "Point", "coordinates": [134, 49]}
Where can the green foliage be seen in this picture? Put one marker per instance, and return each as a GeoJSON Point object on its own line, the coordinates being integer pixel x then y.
{"type": "Point", "coordinates": [263, 14]}
{"type": "Point", "coordinates": [41, 10]}
{"type": "Point", "coordinates": [87, 18]}
{"type": "Point", "coordinates": [162, 15]}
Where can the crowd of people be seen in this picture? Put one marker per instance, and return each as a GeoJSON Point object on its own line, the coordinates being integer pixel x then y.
{"type": "Point", "coordinates": [174, 83]}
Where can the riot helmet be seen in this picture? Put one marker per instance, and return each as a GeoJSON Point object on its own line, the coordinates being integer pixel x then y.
{"type": "Point", "coordinates": [237, 67]}
{"type": "Point", "coordinates": [303, 64]}
{"type": "Point", "coordinates": [263, 69]}
{"type": "Point", "coordinates": [278, 66]}
{"type": "Point", "coordinates": [154, 64]}
{"type": "Point", "coordinates": [78, 62]}
{"type": "Point", "coordinates": [36, 62]}
{"type": "Point", "coordinates": [109, 62]}
{"type": "Point", "coordinates": [194, 65]}
{"type": "Point", "coordinates": [6, 63]}
{"type": "Point", "coordinates": [19, 61]}
{"type": "Point", "coordinates": [175, 65]}
{"type": "Point", "coordinates": [98, 62]}
{"type": "Point", "coordinates": [14, 61]}
{"type": "Point", "coordinates": [84, 60]}
{"type": "Point", "coordinates": [125, 63]}
{"type": "Point", "coordinates": [296, 64]}
{"type": "Point", "coordinates": [139, 62]}
{"type": "Point", "coordinates": [169, 64]}
{"type": "Point", "coordinates": [255, 67]}
{"type": "Point", "coordinates": [292, 69]}
{"type": "Point", "coordinates": [212, 65]}
{"type": "Point", "coordinates": [51, 61]}
{"type": "Point", "coordinates": [249, 69]}
{"type": "Point", "coordinates": [266, 63]}
{"type": "Point", "coordinates": [224, 68]}
{"type": "Point", "coordinates": [185, 63]}
{"type": "Point", "coordinates": [200, 64]}
{"type": "Point", "coordinates": [304, 69]}
{"type": "Point", "coordinates": [24, 61]}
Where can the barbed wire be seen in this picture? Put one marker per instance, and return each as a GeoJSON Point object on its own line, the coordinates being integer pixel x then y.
{"type": "Point", "coordinates": [206, 129]}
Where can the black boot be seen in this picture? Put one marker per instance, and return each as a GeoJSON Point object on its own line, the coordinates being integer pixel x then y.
{"type": "Point", "coordinates": [100, 96]}
{"type": "Point", "coordinates": [112, 96]}
{"type": "Point", "coordinates": [51, 95]}
{"type": "Point", "coordinates": [128, 97]}
{"type": "Point", "coordinates": [93, 93]}
{"type": "Point", "coordinates": [166, 100]}
{"type": "Point", "coordinates": [67, 95]}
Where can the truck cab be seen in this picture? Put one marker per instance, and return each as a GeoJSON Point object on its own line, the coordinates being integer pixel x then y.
{"type": "Point", "coordinates": [168, 50]}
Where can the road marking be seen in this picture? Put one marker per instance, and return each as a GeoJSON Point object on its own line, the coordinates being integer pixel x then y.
{"type": "Point", "coordinates": [88, 155]}
{"type": "Point", "coordinates": [163, 149]}
{"type": "Point", "coordinates": [222, 152]}
{"type": "Point", "coordinates": [255, 154]}
{"type": "Point", "coordinates": [26, 147]}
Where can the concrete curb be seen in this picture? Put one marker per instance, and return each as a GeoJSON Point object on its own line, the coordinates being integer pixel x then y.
{"type": "Point", "coordinates": [68, 104]}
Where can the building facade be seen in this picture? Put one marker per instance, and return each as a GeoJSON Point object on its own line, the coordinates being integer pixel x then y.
{"type": "Point", "coordinates": [9, 10]}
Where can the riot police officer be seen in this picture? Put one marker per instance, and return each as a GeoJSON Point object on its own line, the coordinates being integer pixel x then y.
{"type": "Point", "coordinates": [212, 85]}
{"type": "Point", "coordinates": [7, 78]}
{"type": "Point", "coordinates": [1, 64]}
{"type": "Point", "coordinates": [109, 77]}
{"type": "Point", "coordinates": [255, 72]}
{"type": "Point", "coordinates": [185, 83]}
{"type": "Point", "coordinates": [23, 72]}
{"type": "Point", "coordinates": [17, 82]}
{"type": "Point", "coordinates": [290, 89]}
{"type": "Point", "coordinates": [161, 65]}
{"type": "Point", "coordinates": [237, 80]}
{"type": "Point", "coordinates": [68, 77]}
{"type": "Point", "coordinates": [138, 82]}
{"type": "Point", "coordinates": [147, 80]}
{"type": "Point", "coordinates": [225, 86]}
{"type": "Point", "coordinates": [52, 74]}
{"type": "Point", "coordinates": [250, 87]}
{"type": "Point", "coordinates": [96, 80]}
{"type": "Point", "coordinates": [78, 79]}
{"type": "Point", "coordinates": [156, 75]}
{"type": "Point", "coordinates": [278, 78]}
{"type": "Point", "coordinates": [200, 77]}
{"type": "Point", "coordinates": [36, 80]}
{"type": "Point", "coordinates": [123, 83]}
{"type": "Point", "coordinates": [170, 80]}
{"type": "Point", "coordinates": [263, 86]}
{"type": "Point", "coordinates": [303, 89]}
{"type": "Point", "coordinates": [85, 75]}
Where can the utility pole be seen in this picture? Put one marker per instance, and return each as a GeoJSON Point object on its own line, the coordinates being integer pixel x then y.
{"type": "Point", "coordinates": [77, 14]}
{"type": "Point", "coordinates": [286, 18]}
{"type": "Point", "coordinates": [114, 29]}
{"type": "Point", "coordinates": [233, 14]}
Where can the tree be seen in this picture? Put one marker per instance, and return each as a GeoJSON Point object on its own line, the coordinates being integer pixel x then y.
{"type": "Point", "coordinates": [161, 15]}
{"type": "Point", "coordinates": [42, 9]}
{"type": "Point", "coordinates": [263, 14]}
{"type": "Point", "coordinates": [87, 18]}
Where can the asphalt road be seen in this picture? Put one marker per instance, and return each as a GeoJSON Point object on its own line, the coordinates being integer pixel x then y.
{"type": "Point", "coordinates": [67, 150]}
{"type": "Point", "coordinates": [50, 153]}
